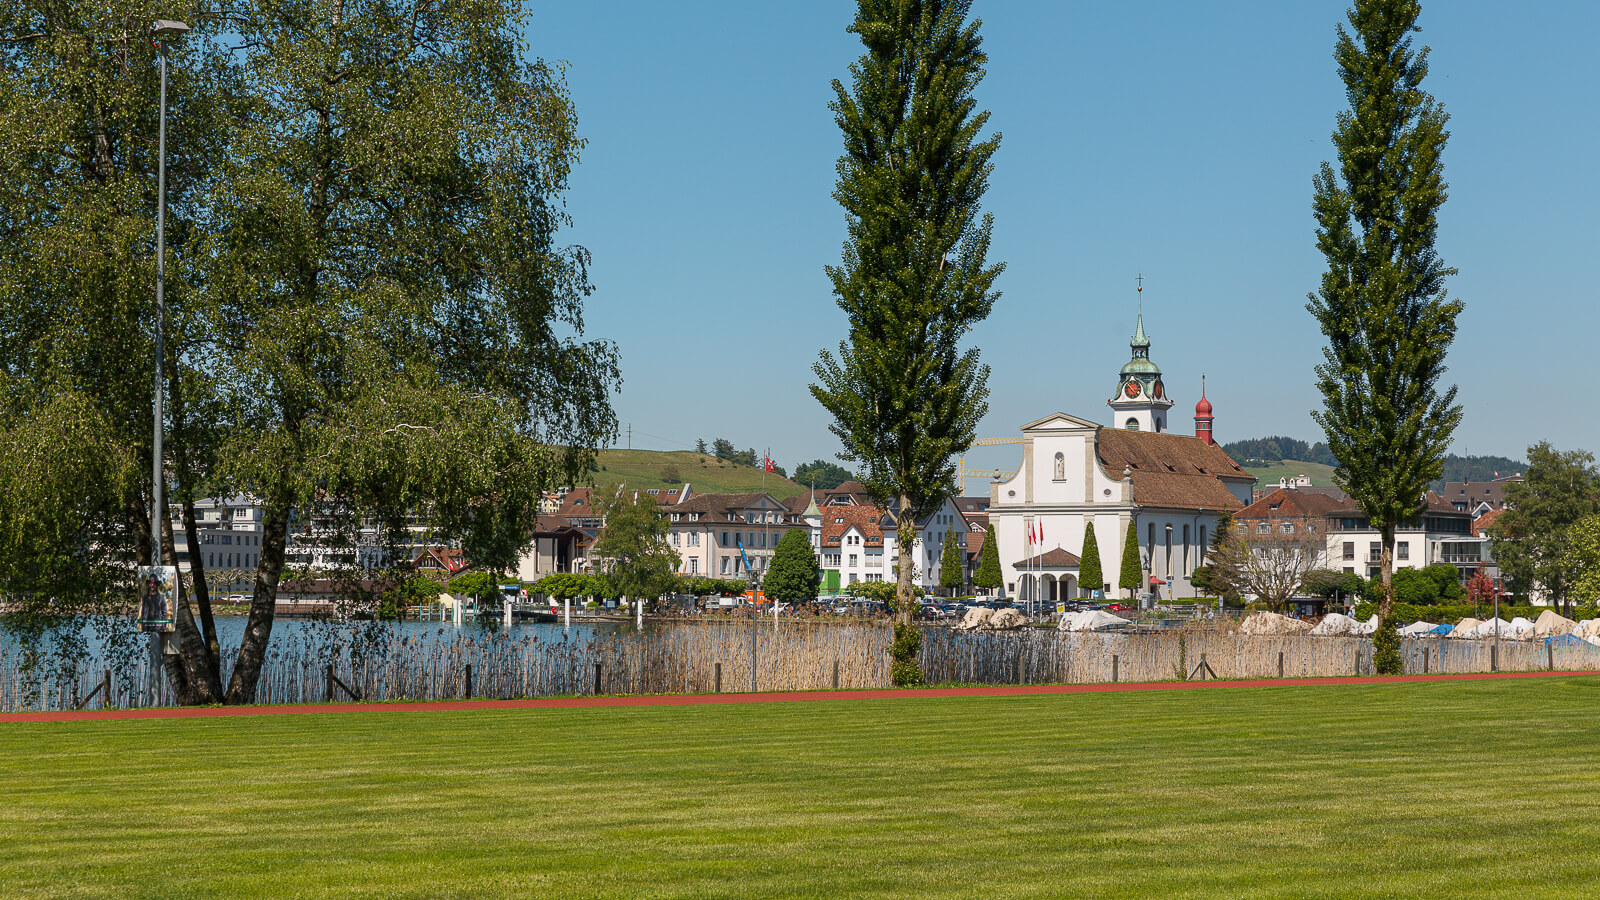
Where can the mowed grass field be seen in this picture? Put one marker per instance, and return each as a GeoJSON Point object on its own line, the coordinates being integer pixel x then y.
{"type": "Point", "coordinates": [1459, 789]}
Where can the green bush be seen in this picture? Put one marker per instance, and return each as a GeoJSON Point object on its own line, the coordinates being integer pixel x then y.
{"type": "Point", "coordinates": [1386, 649]}
{"type": "Point", "coordinates": [903, 667]}
{"type": "Point", "coordinates": [1451, 613]}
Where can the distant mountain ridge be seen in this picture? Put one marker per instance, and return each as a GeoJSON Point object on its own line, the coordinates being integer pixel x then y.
{"type": "Point", "coordinates": [1271, 451]}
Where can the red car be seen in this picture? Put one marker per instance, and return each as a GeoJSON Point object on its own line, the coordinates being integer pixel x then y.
{"type": "Point", "coordinates": [1120, 607]}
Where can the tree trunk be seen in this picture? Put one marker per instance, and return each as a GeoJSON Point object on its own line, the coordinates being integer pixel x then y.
{"type": "Point", "coordinates": [905, 531]}
{"type": "Point", "coordinates": [263, 603]}
{"type": "Point", "coordinates": [208, 624]}
{"type": "Point", "coordinates": [189, 670]}
{"type": "Point", "coordinates": [1386, 572]}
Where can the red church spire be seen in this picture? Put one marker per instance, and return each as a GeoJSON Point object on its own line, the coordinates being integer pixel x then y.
{"type": "Point", "coordinates": [1202, 416]}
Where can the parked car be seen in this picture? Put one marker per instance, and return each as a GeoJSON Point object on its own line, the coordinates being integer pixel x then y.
{"type": "Point", "coordinates": [1119, 607]}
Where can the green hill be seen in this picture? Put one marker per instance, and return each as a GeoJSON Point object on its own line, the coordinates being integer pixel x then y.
{"type": "Point", "coordinates": [1267, 475]}
{"type": "Point", "coordinates": [705, 473]}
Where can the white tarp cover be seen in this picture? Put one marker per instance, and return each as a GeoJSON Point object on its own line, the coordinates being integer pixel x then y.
{"type": "Point", "coordinates": [976, 617]}
{"type": "Point", "coordinates": [1370, 626]}
{"type": "Point", "coordinates": [982, 618]}
{"type": "Point", "coordinates": [1416, 628]}
{"type": "Point", "coordinates": [1090, 620]}
{"type": "Point", "coordinates": [1464, 627]}
{"type": "Point", "coordinates": [1552, 624]}
{"type": "Point", "coordinates": [1486, 630]}
{"type": "Point", "coordinates": [1336, 623]}
{"type": "Point", "coordinates": [1522, 629]}
{"type": "Point", "coordinates": [1587, 629]}
{"type": "Point", "coordinates": [1006, 619]}
{"type": "Point", "coordinates": [1272, 623]}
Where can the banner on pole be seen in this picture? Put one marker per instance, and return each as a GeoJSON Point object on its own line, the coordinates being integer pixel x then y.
{"type": "Point", "coordinates": [158, 598]}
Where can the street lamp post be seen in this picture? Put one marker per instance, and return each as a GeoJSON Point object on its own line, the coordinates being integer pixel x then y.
{"type": "Point", "coordinates": [162, 32]}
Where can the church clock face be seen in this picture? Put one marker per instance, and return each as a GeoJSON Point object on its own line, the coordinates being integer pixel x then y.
{"type": "Point", "coordinates": [1132, 390]}
{"type": "Point", "coordinates": [1161, 391]}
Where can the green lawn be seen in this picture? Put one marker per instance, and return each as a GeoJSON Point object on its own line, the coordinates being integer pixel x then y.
{"type": "Point", "coordinates": [1267, 476]}
{"type": "Point", "coordinates": [1481, 789]}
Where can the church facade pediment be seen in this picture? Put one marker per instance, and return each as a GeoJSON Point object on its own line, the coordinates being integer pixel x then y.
{"type": "Point", "coordinates": [1059, 422]}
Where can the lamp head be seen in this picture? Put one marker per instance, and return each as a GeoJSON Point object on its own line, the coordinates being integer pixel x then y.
{"type": "Point", "coordinates": [166, 28]}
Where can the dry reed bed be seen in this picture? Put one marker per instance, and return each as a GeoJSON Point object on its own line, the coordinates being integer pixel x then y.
{"type": "Point", "coordinates": [687, 658]}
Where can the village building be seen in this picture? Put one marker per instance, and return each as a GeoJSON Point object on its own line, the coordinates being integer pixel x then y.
{"type": "Point", "coordinates": [1076, 474]}
{"type": "Point", "coordinates": [1440, 534]}
{"type": "Point", "coordinates": [727, 535]}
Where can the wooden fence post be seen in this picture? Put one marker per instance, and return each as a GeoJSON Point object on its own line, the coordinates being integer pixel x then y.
{"type": "Point", "coordinates": [1426, 652]}
{"type": "Point", "coordinates": [717, 670]}
{"type": "Point", "coordinates": [1550, 656]}
{"type": "Point", "coordinates": [469, 681]}
{"type": "Point", "coordinates": [106, 701]}
{"type": "Point", "coordinates": [1114, 661]}
{"type": "Point", "coordinates": [329, 697]}
{"type": "Point", "coordinates": [597, 678]}
{"type": "Point", "coordinates": [1280, 663]}
{"type": "Point", "coordinates": [836, 674]}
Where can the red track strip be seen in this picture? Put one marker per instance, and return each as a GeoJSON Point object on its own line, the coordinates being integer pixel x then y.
{"type": "Point", "coordinates": [200, 712]}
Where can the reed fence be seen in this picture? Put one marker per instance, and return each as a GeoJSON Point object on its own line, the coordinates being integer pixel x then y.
{"type": "Point", "coordinates": [716, 655]}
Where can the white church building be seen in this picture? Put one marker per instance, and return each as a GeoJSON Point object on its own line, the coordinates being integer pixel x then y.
{"type": "Point", "coordinates": [1076, 474]}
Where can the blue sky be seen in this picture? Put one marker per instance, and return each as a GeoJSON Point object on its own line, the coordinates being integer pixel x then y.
{"type": "Point", "coordinates": [1175, 139]}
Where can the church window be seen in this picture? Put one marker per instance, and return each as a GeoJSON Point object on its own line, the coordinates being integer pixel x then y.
{"type": "Point", "coordinates": [1133, 425]}
{"type": "Point", "coordinates": [1186, 548]}
{"type": "Point", "coordinates": [1200, 557]}
{"type": "Point", "coordinates": [1061, 467]}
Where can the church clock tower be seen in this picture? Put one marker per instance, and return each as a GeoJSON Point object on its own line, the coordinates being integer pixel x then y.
{"type": "Point", "coordinates": [1141, 401]}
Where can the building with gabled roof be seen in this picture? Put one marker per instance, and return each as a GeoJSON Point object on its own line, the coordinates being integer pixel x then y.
{"type": "Point", "coordinates": [1076, 474]}
{"type": "Point", "coordinates": [715, 534]}
{"type": "Point", "coordinates": [860, 542]}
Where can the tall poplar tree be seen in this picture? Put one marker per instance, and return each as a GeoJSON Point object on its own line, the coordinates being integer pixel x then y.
{"type": "Point", "coordinates": [1132, 576]}
{"type": "Point", "coordinates": [1382, 304]}
{"type": "Point", "coordinates": [952, 570]}
{"type": "Point", "coordinates": [906, 397]}
{"type": "Point", "coordinates": [1091, 577]}
{"type": "Point", "coordinates": [989, 576]}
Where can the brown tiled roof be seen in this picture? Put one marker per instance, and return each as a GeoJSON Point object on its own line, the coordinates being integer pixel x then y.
{"type": "Point", "coordinates": [975, 542]}
{"type": "Point", "coordinates": [449, 559]}
{"type": "Point", "coordinates": [869, 520]}
{"type": "Point", "coordinates": [554, 525]}
{"type": "Point", "coordinates": [1432, 502]}
{"type": "Point", "coordinates": [578, 502]}
{"type": "Point", "coordinates": [1171, 470]}
{"type": "Point", "coordinates": [971, 506]}
{"type": "Point", "coordinates": [721, 508]}
{"type": "Point", "coordinates": [1480, 525]}
{"type": "Point", "coordinates": [1288, 503]}
{"type": "Point", "coordinates": [1051, 559]}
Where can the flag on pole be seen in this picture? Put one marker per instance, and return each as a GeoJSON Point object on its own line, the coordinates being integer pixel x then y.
{"type": "Point", "coordinates": [770, 465]}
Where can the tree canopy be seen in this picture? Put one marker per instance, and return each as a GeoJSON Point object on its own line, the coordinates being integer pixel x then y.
{"type": "Point", "coordinates": [822, 475]}
{"type": "Point", "coordinates": [989, 575]}
{"type": "Point", "coordinates": [370, 317]}
{"type": "Point", "coordinates": [631, 550]}
{"type": "Point", "coordinates": [904, 394]}
{"type": "Point", "coordinates": [1532, 537]}
{"type": "Point", "coordinates": [1132, 576]}
{"type": "Point", "coordinates": [1091, 577]}
{"type": "Point", "coordinates": [1382, 303]}
{"type": "Point", "coordinates": [794, 575]}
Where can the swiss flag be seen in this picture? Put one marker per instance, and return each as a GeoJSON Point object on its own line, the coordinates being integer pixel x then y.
{"type": "Point", "coordinates": [771, 466]}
